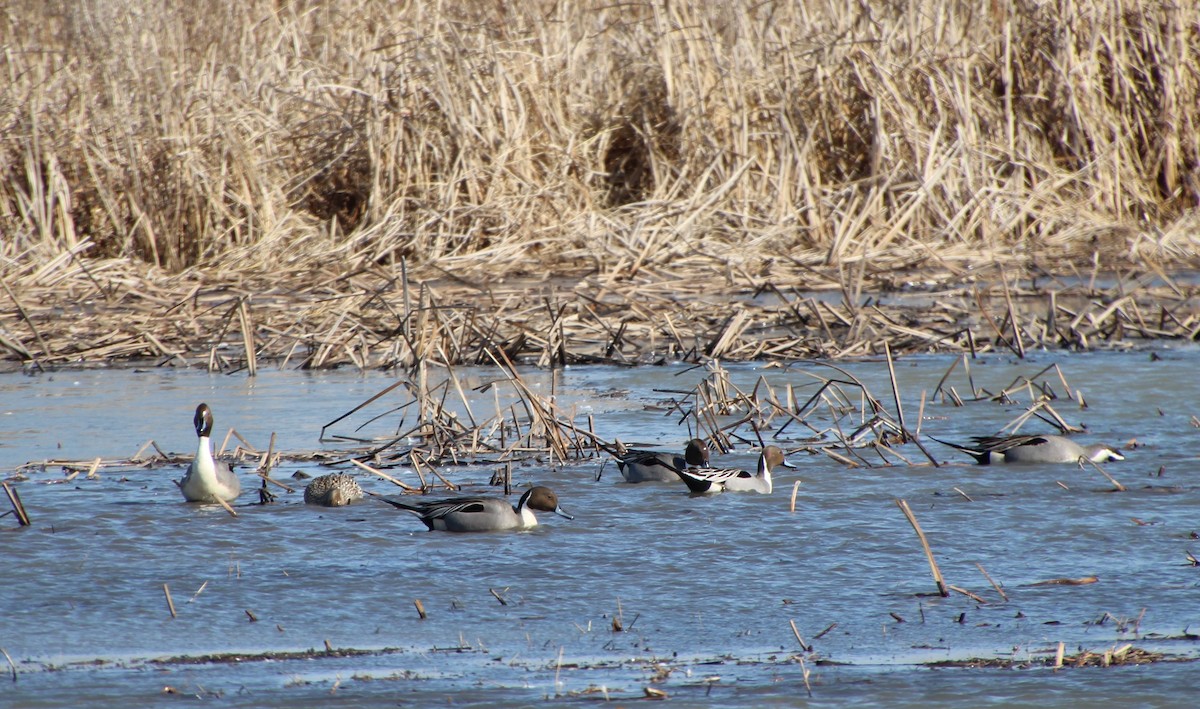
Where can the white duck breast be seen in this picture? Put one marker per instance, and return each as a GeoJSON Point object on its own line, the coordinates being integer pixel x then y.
{"type": "Point", "coordinates": [206, 479]}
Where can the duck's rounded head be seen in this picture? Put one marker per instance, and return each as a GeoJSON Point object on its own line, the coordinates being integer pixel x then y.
{"type": "Point", "coordinates": [696, 453]}
{"type": "Point", "coordinates": [203, 420]}
{"type": "Point", "coordinates": [773, 457]}
{"type": "Point", "coordinates": [543, 498]}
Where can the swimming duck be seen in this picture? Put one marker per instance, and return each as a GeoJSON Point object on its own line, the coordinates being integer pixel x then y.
{"type": "Point", "coordinates": [638, 466]}
{"type": "Point", "coordinates": [332, 490]}
{"type": "Point", "coordinates": [1034, 449]}
{"type": "Point", "coordinates": [206, 479]}
{"type": "Point", "coordinates": [709, 480]}
{"type": "Point", "coordinates": [482, 514]}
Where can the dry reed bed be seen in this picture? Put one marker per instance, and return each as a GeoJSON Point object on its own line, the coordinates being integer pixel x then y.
{"type": "Point", "coordinates": [378, 317]}
{"type": "Point", "coordinates": [654, 156]}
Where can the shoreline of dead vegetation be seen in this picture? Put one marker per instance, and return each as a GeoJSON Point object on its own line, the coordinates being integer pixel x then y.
{"type": "Point", "coordinates": [324, 185]}
{"type": "Point", "coordinates": [118, 313]}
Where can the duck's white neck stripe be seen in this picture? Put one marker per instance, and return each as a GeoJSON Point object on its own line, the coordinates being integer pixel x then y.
{"type": "Point", "coordinates": [205, 465]}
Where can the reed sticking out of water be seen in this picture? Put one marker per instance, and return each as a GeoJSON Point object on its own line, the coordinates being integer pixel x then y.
{"type": "Point", "coordinates": [966, 593]}
{"type": "Point", "coordinates": [383, 475]}
{"type": "Point", "coordinates": [991, 581]}
{"type": "Point", "coordinates": [933, 567]}
{"type": "Point", "coordinates": [232, 512]}
{"type": "Point", "coordinates": [170, 603]}
{"type": "Point", "coordinates": [14, 498]}
{"type": "Point", "coordinates": [1118, 487]}
{"type": "Point", "coordinates": [796, 631]}
{"type": "Point", "coordinates": [12, 665]}
{"type": "Point", "coordinates": [420, 608]}
{"type": "Point", "coordinates": [887, 349]}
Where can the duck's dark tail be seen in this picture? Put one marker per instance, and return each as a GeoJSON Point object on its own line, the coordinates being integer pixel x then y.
{"type": "Point", "coordinates": [402, 505]}
{"type": "Point", "coordinates": [694, 483]}
{"type": "Point", "coordinates": [981, 456]}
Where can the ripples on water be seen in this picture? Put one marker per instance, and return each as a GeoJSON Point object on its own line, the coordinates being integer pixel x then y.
{"type": "Point", "coordinates": [707, 586]}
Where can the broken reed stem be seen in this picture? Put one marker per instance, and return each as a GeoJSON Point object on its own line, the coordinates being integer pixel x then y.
{"type": "Point", "coordinates": [991, 581]}
{"type": "Point", "coordinates": [1116, 485]}
{"type": "Point", "coordinates": [795, 631]}
{"type": "Point", "coordinates": [503, 601]}
{"type": "Point", "coordinates": [247, 336]}
{"type": "Point", "coordinates": [966, 593]}
{"type": "Point", "coordinates": [264, 468]}
{"type": "Point", "coordinates": [230, 510]}
{"type": "Point", "coordinates": [28, 321]}
{"type": "Point", "coordinates": [420, 608]}
{"type": "Point", "coordinates": [382, 474]}
{"type": "Point", "coordinates": [887, 349]}
{"type": "Point", "coordinates": [170, 603]}
{"type": "Point", "coordinates": [937, 574]}
{"type": "Point", "coordinates": [12, 665]}
{"type": "Point", "coordinates": [415, 459]}
{"type": "Point", "coordinates": [804, 672]}
{"type": "Point", "coordinates": [795, 489]}
{"type": "Point", "coordinates": [14, 498]}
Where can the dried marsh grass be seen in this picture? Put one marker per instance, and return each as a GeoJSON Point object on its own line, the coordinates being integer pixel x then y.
{"type": "Point", "coordinates": [357, 172]}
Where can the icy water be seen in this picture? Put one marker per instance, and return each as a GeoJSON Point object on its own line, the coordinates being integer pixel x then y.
{"type": "Point", "coordinates": [705, 589]}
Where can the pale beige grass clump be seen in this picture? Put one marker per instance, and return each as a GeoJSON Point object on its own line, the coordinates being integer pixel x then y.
{"type": "Point", "coordinates": [703, 145]}
{"type": "Point", "coordinates": [578, 136]}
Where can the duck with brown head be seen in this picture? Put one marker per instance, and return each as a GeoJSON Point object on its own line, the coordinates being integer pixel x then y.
{"type": "Point", "coordinates": [482, 514]}
{"type": "Point", "coordinates": [709, 480]}
{"type": "Point", "coordinates": [332, 490]}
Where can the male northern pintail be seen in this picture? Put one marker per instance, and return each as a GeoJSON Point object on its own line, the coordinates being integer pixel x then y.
{"type": "Point", "coordinates": [1034, 449]}
{"type": "Point", "coordinates": [639, 466]}
{"type": "Point", "coordinates": [482, 514]}
{"type": "Point", "coordinates": [734, 480]}
{"type": "Point", "coordinates": [332, 490]}
{"type": "Point", "coordinates": [208, 480]}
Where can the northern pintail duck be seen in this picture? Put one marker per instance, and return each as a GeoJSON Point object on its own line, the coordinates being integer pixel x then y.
{"type": "Point", "coordinates": [638, 466]}
{"type": "Point", "coordinates": [1034, 449]}
{"type": "Point", "coordinates": [734, 480]}
{"type": "Point", "coordinates": [206, 479]}
{"type": "Point", "coordinates": [332, 490]}
{"type": "Point", "coordinates": [482, 514]}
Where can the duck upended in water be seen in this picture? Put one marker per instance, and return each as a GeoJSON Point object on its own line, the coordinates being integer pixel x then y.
{"type": "Point", "coordinates": [1034, 449]}
{"type": "Point", "coordinates": [638, 466]}
{"type": "Point", "coordinates": [709, 480]}
{"type": "Point", "coordinates": [206, 479]}
{"type": "Point", "coordinates": [482, 514]}
{"type": "Point", "coordinates": [332, 490]}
